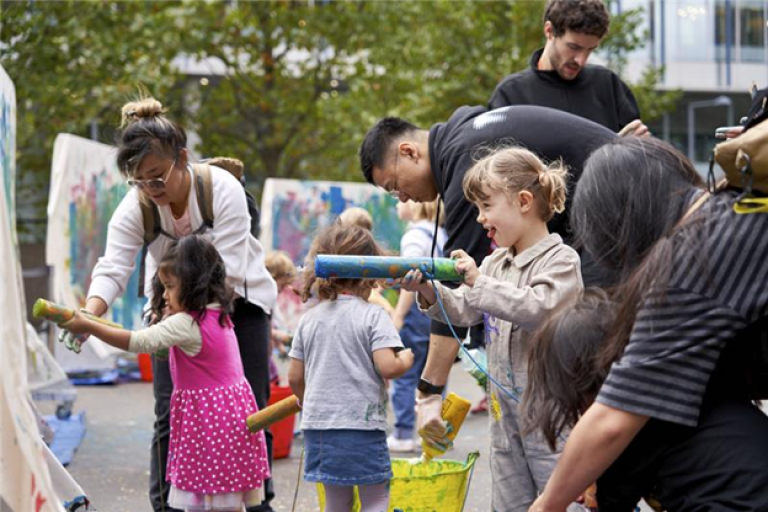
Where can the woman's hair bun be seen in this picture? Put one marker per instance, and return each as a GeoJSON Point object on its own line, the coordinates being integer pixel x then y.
{"type": "Point", "coordinates": [145, 108]}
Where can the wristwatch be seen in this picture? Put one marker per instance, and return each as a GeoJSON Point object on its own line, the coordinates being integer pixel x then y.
{"type": "Point", "coordinates": [428, 388]}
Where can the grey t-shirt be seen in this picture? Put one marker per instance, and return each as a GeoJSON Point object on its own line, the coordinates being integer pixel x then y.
{"type": "Point", "coordinates": [336, 340]}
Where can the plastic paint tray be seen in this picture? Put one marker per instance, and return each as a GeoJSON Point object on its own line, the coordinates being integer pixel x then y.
{"type": "Point", "coordinates": [439, 486]}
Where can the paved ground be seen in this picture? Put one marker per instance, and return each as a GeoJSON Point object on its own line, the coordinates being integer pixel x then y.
{"type": "Point", "coordinates": [112, 464]}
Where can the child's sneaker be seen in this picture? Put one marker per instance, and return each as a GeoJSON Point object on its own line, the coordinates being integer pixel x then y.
{"type": "Point", "coordinates": [400, 445]}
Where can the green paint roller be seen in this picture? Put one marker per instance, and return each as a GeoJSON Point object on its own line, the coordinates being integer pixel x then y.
{"type": "Point", "coordinates": [58, 314]}
{"type": "Point", "coordinates": [384, 267]}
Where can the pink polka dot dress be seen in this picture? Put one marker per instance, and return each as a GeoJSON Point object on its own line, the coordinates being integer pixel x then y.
{"type": "Point", "coordinates": [214, 462]}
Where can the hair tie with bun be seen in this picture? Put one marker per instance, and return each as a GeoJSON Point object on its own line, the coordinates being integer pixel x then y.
{"type": "Point", "coordinates": [544, 179]}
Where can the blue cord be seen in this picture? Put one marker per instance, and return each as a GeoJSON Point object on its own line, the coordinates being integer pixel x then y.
{"type": "Point", "coordinates": [430, 275]}
{"type": "Point", "coordinates": [514, 396]}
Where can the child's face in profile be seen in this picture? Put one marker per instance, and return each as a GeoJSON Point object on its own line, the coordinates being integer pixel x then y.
{"type": "Point", "coordinates": [171, 294]}
{"type": "Point", "coordinates": [284, 280]}
{"type": "Point", "coordinates": [500, 216]}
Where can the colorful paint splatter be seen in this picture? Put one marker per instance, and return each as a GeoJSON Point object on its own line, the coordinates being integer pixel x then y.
{"type": "Point", "coordinates": [294, 211]}
{"type": "Point", "coordinates": [8, 144]}
{"type": "Point", "coordinates": [86, 188]}
{"type": "Point", "coordinates": [94, 199]}
{"type": "Point", "coordinates": [384, 267]}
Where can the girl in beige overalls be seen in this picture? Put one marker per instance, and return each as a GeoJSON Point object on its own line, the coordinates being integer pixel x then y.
{"type": "Point", "coordinates": [531, 275]}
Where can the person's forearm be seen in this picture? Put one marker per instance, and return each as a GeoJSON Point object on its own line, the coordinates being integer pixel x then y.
{"type": "Point", "coordinates": [402, 365]}
{"type": "Point", "coordinates": [118, 338]}
{"type": "Point", "coordinates": [96, 305]}
{"type": "Point", "coordinates": [298, 390]}
{"type": "Point", "coordinates": [442, 354]}
{"type": "Point", "coordinates": [428, 294]}
{"type": "Point", "coordinates": [597, 440]}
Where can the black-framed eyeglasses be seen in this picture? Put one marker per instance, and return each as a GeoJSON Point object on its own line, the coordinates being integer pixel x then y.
{"type": "Point", "coordinates": [392, 190]}
{"type": "Point", "coordinates": [154, 184]}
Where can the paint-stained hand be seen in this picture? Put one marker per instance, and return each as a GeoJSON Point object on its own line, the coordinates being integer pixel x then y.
{"type": "Point", "coordinates": [429, 418]}
{"type": "Point", "coordinates": [413, 281]}
{"type": "Point", "coordinates": [78, 324]}
{"type": "Point", "coordinates": [73, 338]}
{"type": "Point", "coordinates": [466, 266]}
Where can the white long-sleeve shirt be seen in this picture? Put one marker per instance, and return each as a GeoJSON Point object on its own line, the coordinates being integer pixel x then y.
{"type": "Point", "coordinates": [243, 255]}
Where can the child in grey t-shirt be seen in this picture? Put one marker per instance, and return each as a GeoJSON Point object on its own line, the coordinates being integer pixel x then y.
{"type": "Point", "coordinates": [343, 349]}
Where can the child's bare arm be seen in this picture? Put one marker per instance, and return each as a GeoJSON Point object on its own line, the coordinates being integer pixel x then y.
{"type": "Point", "coordinates": [296, 377]}
{"type": "Point", "coordinates": [81, 324]}
{"type": "Point", "coordinates": [391, 364]}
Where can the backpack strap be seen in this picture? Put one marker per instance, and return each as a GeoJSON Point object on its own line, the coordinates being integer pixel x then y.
{"type": "Point", "coordinates": [204, 193]}
{"type": "Point", "coordinates": [150, 216]}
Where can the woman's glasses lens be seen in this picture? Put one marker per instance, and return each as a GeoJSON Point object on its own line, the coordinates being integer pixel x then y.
{"type": "Point", "coordinates": [156, 184]}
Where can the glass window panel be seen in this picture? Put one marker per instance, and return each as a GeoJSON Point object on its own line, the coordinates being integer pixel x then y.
{"type": "Point", "coordinates": [752, 32]}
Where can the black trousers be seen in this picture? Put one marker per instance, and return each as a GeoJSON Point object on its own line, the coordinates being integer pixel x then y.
{"type": "Point", "coordinates": [252, 330]}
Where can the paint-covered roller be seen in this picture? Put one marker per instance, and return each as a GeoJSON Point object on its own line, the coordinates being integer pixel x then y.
{"type": "Point", "coordinates": [384, 267]}
{"type": "Point", "coordinates": [59, 314]}
{"type": "Point", "coordinates": [455, 409]}
{"type": "Point", "coordinates": [274, 413]}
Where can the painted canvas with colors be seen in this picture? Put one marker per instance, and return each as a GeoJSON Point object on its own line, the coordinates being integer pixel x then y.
{"type": "Point", "coordinates": [8, 145]}
{"type": "Point", "coordinates": [86, 188]}
{"type": "Point", "coordinates": [293, 211]}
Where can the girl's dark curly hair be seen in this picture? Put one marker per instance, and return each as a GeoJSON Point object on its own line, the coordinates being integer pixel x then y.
{"type": "Point", "coordinates": [202, 278]}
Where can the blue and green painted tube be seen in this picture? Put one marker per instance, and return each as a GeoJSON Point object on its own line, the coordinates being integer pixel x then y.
{"type": "Point", "coordinates": [384, 267]}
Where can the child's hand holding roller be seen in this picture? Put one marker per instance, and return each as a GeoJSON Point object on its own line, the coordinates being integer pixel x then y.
{"type": "Point", "coordinates": [466, 266]}
{"type": "Point", "coordinates": [78, 324]}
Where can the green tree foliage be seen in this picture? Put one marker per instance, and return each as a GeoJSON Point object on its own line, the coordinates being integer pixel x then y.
{"type": "Point", "coordinates": [74, 64]}
{"type": "Point", "coordinates": [307, 80]}
{"type": "Point", "coordinates": [301, 82]}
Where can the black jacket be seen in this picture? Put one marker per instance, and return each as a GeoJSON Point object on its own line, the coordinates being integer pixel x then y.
{"type": "Point", "coordinates": [455, 145]}
{"type": "Point", "coordinates": [597, 94]}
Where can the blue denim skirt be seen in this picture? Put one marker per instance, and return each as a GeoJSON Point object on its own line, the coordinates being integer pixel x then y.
{"type": "Point", "coordinates": [346, 457]}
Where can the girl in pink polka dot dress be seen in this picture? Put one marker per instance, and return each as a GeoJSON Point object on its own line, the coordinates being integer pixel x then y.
{"type": "Point", "coordinates": [214, 462]}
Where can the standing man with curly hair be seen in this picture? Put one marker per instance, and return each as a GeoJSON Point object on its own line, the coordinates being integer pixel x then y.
{"type": "Point", "coordinates": [560, 78]}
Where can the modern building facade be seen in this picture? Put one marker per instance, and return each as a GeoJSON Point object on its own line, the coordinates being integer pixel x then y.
{"type": "Point", "coordinates": [714, 50]}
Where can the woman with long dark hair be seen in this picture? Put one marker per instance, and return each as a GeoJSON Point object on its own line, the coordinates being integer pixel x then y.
{"type": "Point", "coordinates": [682, 349]}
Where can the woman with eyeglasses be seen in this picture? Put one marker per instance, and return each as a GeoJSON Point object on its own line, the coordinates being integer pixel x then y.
{"type": "Point", "coordinates": [152, 156]}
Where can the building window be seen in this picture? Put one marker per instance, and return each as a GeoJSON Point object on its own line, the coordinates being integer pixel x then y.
{"type": "Point", "coordinates": [741, 24]}
{"type": "Point", "coordinates": [752, 32]}
{"type": "Point", "coordinates": [724, 31]}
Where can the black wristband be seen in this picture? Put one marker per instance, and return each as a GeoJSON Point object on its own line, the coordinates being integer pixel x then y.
{"type": "Point", "coordinates": [430, 389]}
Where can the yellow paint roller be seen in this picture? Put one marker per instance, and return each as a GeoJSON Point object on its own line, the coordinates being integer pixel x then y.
{"type": "Point", "coordinates": [274, 413]}
{"type": "Point", "coordinates": [455, 409]}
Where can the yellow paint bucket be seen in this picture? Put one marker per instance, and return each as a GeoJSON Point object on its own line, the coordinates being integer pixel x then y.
{"type": "Point", "coordinates": [437, 486]}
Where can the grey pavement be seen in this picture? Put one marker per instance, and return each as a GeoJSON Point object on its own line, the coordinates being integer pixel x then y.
{"type": "Point", "coordinates": [112, 464]}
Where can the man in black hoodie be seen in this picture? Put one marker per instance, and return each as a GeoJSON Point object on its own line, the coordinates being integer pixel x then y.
{"type": "Point", "coordinates": [560, 78]}
{"type": "Point", "coordinates": [418, 164]}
